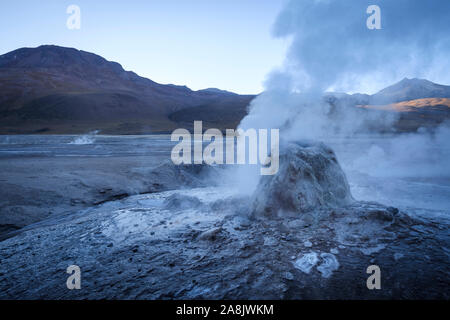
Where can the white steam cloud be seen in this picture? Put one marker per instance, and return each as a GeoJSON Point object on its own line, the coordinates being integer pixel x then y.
{"type": "Point", "coordinates": [332, 46]}
{"type": "Point", "coordinates": [332, 49]}
{"type": "Point", "coordinates": [421, 154]}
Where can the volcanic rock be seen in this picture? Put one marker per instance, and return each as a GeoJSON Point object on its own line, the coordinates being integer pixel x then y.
{"type": "Point", "coordinates": [309, 177]}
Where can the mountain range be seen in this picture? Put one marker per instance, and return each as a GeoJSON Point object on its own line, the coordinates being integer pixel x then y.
{"type": "Point", "coordinates": [52, 89]}
{"type": "Point", "coordinates": [417, 102]}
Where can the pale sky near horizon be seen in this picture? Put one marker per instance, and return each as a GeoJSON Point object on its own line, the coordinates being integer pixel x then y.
{"type": "Point", "coordinates": [224, 44]}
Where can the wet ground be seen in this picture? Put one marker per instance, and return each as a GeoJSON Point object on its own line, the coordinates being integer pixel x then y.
{"type": "Point", "coordinates": [66, 201]}
{"type": "Point", "coordinates": [43, 176]}
{"type": "Point", "coordinates": [199, 244]}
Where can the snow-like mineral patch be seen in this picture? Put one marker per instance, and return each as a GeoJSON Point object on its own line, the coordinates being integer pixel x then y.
{"type": "Point", "coordinates": [329, 264]}
{"type": "Point", "coordinates": [307, 262]}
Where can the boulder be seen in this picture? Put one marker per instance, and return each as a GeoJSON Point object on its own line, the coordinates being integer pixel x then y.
{"type": "Point", "coordinates": [309, 177]}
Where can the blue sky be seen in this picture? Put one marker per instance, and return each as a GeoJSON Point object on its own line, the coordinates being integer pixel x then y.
{"type": "Point", "coordinates": [198, 43]}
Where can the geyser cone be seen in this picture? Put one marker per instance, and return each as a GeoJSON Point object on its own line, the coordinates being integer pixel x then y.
{"type": "Point", "coordinates": [309, 177]}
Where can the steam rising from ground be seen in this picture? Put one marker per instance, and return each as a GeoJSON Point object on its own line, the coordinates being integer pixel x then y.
{"type": "Point", "coordinates": [423, 154]}
{"type": "Point", "coordinates": [332, 49]}
{"type": "Point", "coordinates": [85, 139]}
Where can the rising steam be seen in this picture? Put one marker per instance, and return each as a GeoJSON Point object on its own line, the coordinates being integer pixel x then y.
{"type": "Point", "coordinates": [333, 50]}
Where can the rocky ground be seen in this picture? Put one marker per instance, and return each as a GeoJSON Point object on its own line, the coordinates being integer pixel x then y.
{"type": "Point", "coordinates": [157, 247]}
{"type": "Point", "coordinates": [33, 189]}
{"type": "Point", "coordinates": [209, 243]}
